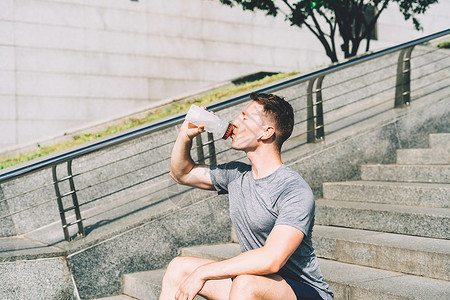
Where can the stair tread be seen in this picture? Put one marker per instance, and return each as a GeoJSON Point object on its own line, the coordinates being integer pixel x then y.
{"type": "Point", "coordinates": [377, 238]}
{"type": "Point", "coordinates": [406, 173]}
{"type": "Point", "coordinates": [388, 282]}
{"type": "Point", "coordinates": [392, 184]}
{"type": "Point", "coordinates": [434, 211]}
{"type": "Point", "coordinates": [20, 248]}
{"type": "Point", "coordinates": [408, 166]}
{"type": "Point", "coordinates": [215, 252]}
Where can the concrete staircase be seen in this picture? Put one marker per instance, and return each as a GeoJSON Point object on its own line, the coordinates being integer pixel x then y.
{"type": "Point", "coordinates": [383, 237]}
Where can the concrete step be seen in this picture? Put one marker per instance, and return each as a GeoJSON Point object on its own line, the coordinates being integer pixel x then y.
{"type": "Point", "coordinates": [145, 285]}
{"type": "Point", "coordinates": [393, 252]}
{"type": "Point", "coordinates": [214, 252]}
{"type": "Point", "coordinates": [347, 281]}
{"type": "Point", "coordinates": [353, 282]}
{"type": "Point", "coordinates": [410, 220]}
{"type": "Point", "coordinates": [440, 140]}
{"type": "Point", "coordinates": [434, 156]}
{"type": "Point", "coordinates": [406, 173]}
{"type": "Point", "coordinates": [405, 193]}
{"type": "Point", "coordinates": [117, 297]}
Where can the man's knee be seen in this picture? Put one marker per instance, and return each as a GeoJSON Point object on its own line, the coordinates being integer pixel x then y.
{"type": "Point", "coordinates": [244, 287]}
{"type": "Point", "coordinates": [177, 270]}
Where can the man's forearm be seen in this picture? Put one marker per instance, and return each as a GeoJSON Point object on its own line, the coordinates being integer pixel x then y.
{"type": "Point", "coordinates": [181, 162]}
{"type": "Point", "coordinates": [254, 262]}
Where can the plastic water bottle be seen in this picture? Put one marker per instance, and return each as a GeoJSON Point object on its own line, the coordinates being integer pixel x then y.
{"type": "Point", "coordinates": [198, 116]}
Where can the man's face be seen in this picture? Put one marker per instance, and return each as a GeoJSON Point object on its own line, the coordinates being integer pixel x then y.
{"type": "Point", "coordinates": [249, 126]}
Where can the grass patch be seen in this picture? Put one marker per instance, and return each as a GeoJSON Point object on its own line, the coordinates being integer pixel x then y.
{"type": "Point", "coordinates": [153, 115]}
{"type": "Point", "coordinates": [445, 45]}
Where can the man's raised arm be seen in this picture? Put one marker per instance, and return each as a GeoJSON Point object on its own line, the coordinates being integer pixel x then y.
{"type": "Point", "coordinates": [182, 168]}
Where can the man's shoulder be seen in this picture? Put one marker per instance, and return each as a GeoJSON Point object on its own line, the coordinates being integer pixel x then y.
{"type": "Point", "coordinates": [291, 175]}
{"type": "Point", "coordinates": [292, 180]}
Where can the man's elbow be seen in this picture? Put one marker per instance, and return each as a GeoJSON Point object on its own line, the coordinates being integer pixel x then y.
{"type": "Point", "coordinates": [274, 267]}
{"type": "Point", "coordinates": [176, 177]}
{"type": "Point", "coordinates": [274, 264]}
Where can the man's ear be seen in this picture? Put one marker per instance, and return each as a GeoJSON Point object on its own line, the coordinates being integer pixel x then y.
{"type": "Point", "coordinates": [268, 133]}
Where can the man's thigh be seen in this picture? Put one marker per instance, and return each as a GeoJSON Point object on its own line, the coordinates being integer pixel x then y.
{"type": "Point", "coordinates": [268, 287]}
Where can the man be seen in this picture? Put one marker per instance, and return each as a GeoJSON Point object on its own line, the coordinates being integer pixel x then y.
{"type": "Point", "coordinates": [271, 207]}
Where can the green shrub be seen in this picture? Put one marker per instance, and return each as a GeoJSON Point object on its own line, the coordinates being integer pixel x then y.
{"type": "Point", "coordinates": [445, 45]}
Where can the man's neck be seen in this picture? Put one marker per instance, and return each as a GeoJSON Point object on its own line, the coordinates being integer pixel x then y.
{"type": "Point", "coordinates": [264, 163]}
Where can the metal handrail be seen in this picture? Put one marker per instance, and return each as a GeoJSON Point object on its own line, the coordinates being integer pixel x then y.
{"type": "Point", "coordinates": [135, 133]}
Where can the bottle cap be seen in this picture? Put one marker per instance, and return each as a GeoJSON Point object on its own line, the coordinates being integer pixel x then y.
{"type": "Point", "coordinates": [229, 131]}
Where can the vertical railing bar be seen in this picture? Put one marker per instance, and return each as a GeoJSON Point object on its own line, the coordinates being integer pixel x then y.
{"type": "Point", "coordinates": [407, 76]}
{"type": "Point", "coordinates": [403, 81]}
{"type": "Point", "coordinates": [60, 205]}
{"type": "Point", "coordinates": [399, 81]}
{"type": "Point", "coordinates": [320, 126]}
{"type": "Point", "coordinates": [310, 137]}
{"type": "Point", "coordinates": [75, 200]}
{"type": "Point", "coordinates": [200, 154]}
{"type": "Point", "coordinates": [211, 149]}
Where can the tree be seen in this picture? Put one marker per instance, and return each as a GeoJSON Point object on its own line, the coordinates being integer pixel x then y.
{"type": "Point", "coordinates": [325, 17]}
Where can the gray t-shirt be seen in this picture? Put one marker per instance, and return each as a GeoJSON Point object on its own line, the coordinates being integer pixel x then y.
{"type": "Point", "coordinates": [257, 205]}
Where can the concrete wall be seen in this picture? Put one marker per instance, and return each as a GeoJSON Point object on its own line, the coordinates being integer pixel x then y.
{"type": "Point", "coordinates": [69, 63]}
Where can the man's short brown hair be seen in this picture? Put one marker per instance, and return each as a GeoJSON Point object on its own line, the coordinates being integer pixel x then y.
{"type": "Point", "coordinates": [278, 111]}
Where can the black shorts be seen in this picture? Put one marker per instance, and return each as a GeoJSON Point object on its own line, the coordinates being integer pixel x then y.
{"type": "Point", "coordinates": [302, 290]}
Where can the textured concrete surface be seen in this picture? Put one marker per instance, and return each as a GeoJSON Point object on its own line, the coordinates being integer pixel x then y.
{"type": "Point", "coordinates": [214, 252]}
{"type": "Point", "coordinates": [97, 270]}
{"type": "Point", "coordinates": [400, 253]}
{"type": "Point", "coordinates": [143, 285]}
{"type": "Point", "coordinates": [406, 173]}
{"type": "Point", "coordinates": [420, 221]}
{"type": "Point", "coordinates": [434, 156]}
{"type": "Point", "coordinates": [48, 278]}
{"type": "Point", "coordinates": [355, 282]}
{"type": "Point", "coordinates": [6, 224]}
{"type": "Point", "coordinates": [440, 140]}
{"type": "Point", "coordinates": [19, 248]}
{"type": "Point", "coordinates": [414, 194]}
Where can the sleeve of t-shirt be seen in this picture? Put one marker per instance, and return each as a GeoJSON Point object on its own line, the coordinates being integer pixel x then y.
{"type": "Point", "coordinates": [297, 208]}
{"type": "Point", "coordinates": [222, 175]}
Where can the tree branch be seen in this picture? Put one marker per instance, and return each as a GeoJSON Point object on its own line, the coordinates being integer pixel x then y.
{"type": "Point", "coordinates": [321, 36]}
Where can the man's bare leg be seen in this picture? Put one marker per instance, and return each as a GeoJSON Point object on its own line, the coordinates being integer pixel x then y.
{"type": "Point", "coordinates": [180, 268]}
{"type": "Point", "coordinates": [270, 287]}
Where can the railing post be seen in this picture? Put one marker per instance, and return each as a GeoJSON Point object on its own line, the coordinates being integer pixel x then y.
{"type": "Point", "coordinates": [60, 205]}
{"type": "Point", "coordinates": [211, 149]}
{"type": "Point", "coordinates": [75, 206]}
{"type": "Point", "coordinates": [200, 154]}
{"type": "Point", "coordinates": [403, 82]}
{"type": "Point", "coordinates": [315, 125]}
{"type": "Point", "coordinates": [320, 126]}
